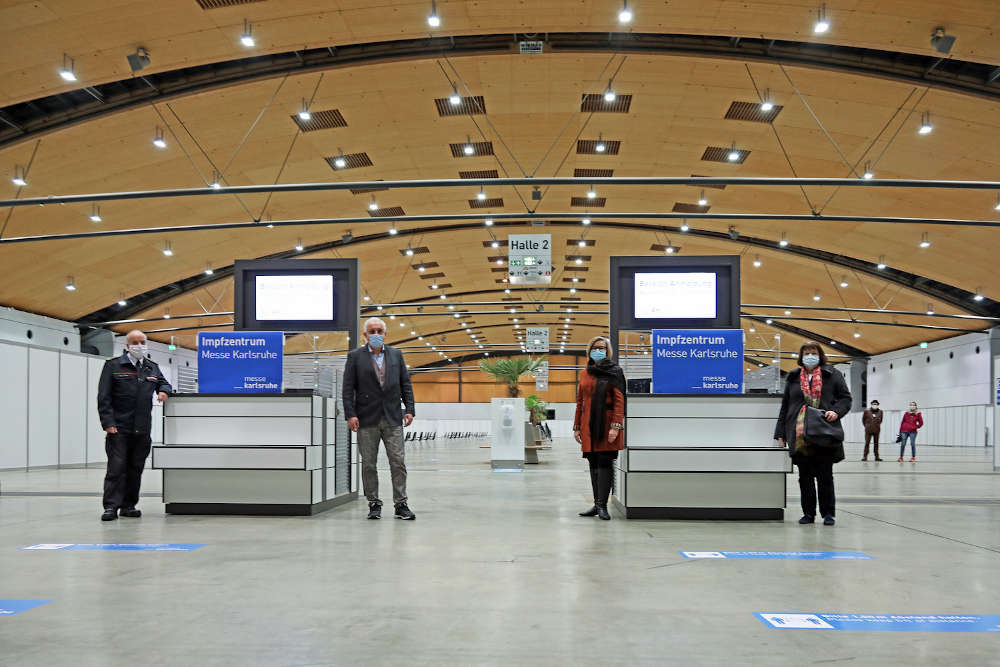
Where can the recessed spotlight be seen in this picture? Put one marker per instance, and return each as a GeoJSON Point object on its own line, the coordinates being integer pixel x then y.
{"type": "Point", "coordinates": [822, 22]}
{"type": "Point", "coordinates": [246, 38]}
{"type": "Point", "coordinates": [924, 241]}
{"type": "Point", "coordinates": [926, 127]}
{"type": "Point", "coordinates": [168, 249]}
{"type": "Point", "coordinates": [67, 71]}
{"type": "Point", "coordinates": [95, 214]}
{"type": "Point", "coordinates": [70, 284]}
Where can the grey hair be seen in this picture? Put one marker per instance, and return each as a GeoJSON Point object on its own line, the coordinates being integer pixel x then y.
{"type": "Point", "coordinates": [134, 331]}
{"type": "Point", "coordinates": [379, 320]}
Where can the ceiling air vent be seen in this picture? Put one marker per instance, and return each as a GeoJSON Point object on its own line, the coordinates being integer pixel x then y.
{"type": "Point", "coordinates": [680, 207]}
{"type": "Point", "coordinates": [589, 243]}
{"type": "Point", "coordinates": [430, 276]}
{"type": "Point", "coordinates": [596, 202]}
{"type": "Point", "coordinates": [353, 160]}
{"type": "Point", "coordinates": [388, 212]}
{"type": "Point", "coordinates": [714, 187]}
{"type": "Point", "coordinates": [479, 148]}
{"type": "Point", "coordinates": [441, 286]}
{"type": "Point", "coordinates": [595, 103]}
{"type": "Point", "coordinates": [589, 147]}
{"type": "Point", "coordinates": [751, 111]}
{"type": "Point", "coordinates": [426, 265]}
{"type": "Point", "coordinates": [662, 248]}
{"type": "Point", "coordinates": [219, 4]}
{"type": "Point", "coordinates": [422, 250]}
{"type": "Point", "coordinates": [720, 154]}
{"type": "Point", "coordinates": [579, 280]}
{"type": "Point", "coordinates": [495, 202]}
{"type": "Point", "coordinates": [500, 244]}
{"type": "Point", "coordinates": [572, 258]}
{"type": "Point", "coordinates": [481, 173]}
{"type": "Point", "coordinates": [468, 106]}
{"type": "Point", "coordinates": [320, 120]}
{"type": "Point", "coordinates": [593, 173]}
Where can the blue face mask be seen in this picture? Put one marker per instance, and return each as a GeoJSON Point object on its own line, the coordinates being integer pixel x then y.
{"type": "Point", "coordinates": [376, 340]}
{"type": "Point", "coordinates": [598, 355]}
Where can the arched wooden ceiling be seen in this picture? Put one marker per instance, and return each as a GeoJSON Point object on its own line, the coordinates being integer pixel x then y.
{"type": "Point", "coordinates": [179, 33]}
{"type": "Point", "coordinates": [533, 120]}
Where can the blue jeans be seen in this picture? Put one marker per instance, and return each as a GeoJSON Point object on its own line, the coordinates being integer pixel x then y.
{"type": "Point", "coordinates": [912, 437]}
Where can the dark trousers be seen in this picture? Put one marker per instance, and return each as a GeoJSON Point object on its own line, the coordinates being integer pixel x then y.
{"type": "Point", "coordinates": [869, 436]}
{"type": "Point", "coordinates": [127, 454]}
{"type": "Point", "coordinates": [601, 473]}
{"type": "Point", "coordinates": [816, 472]}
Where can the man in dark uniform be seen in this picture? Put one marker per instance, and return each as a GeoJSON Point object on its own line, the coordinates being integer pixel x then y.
{"type": "Point", "coordinates": [872, 421]}
{"type": "Point", "coordinates": [125, 405]}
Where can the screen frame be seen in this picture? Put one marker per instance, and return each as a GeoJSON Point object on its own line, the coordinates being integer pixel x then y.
{"type": "Point", "coordinates": [346, 294]}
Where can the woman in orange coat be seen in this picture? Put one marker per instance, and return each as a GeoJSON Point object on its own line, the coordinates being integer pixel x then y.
{"type": "Point", "coordinates": [600, 412]}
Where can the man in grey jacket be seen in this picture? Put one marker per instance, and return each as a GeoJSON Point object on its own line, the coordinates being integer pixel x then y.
{"type": "Point", "coordinates": [376, 386]}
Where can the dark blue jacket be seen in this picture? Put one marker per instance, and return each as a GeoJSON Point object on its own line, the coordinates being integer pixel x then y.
{"type": "Point", "coordinates": [125, 394]}
{"type": "Point", "coordinates": [366, 399]}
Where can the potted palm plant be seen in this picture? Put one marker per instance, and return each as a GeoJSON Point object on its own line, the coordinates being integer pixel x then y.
{"type": "Point", "coordinates": [510, 370]}
{"type": "Point", "coordinates": [536, 409]}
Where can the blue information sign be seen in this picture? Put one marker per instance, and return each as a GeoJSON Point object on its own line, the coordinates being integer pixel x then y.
{"type": "Point", "coordinates": [113, 547]}
{"type": "Point", "coordinates": [237, 362]}
{"type": "Point", "coordinates": [697, 361]}
{"type": "Point", "coordinates": [779, 555]}
{"type": "Point", "coordinates": [882, 622]}
{"type": "Point", "coordinates": [11, 607]}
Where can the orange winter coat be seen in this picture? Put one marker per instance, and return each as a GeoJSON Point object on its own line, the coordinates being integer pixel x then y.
{"type": "Point", "coordinates": [614, 414]}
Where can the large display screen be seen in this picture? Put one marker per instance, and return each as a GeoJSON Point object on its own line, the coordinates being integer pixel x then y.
{"type": "Point", "coordinates": [293, 297]}
{"type": "Point", "coordinates": [675, 295]}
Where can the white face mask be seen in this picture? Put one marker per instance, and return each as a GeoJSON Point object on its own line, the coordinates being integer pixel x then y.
{"type": "Point", "coordinates": [136, 351]}
{"type": "Point", "coordinates": [810, 360]}
{"type": "Point", "coordinates": [913, 408]}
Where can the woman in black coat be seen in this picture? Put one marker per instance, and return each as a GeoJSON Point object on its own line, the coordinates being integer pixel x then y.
{"type": "Point", "coordinates": [822, 386]}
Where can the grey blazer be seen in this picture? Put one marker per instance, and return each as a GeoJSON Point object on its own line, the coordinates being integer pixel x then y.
{"type": "Point", "coordinates": [366, 399]}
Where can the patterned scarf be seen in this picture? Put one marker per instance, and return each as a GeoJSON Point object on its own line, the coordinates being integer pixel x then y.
{"type": "Point", "coordinates": [811, 383]}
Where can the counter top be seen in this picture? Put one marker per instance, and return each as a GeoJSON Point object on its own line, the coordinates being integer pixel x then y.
{"type": "Point", "coordinates": [709, 396]}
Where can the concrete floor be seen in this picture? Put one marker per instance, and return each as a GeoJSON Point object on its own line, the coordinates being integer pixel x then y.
{"type": "Point", "coordinates": [499, 569]}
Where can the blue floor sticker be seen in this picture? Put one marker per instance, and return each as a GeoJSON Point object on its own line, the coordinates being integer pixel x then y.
{"type": "Point", "coordinates": [11, 607]}
{"type": "Point", "coordinates": [780, 555]}
{"type": "Point", "coordinates": [883, 622]}
{"type": "Point", "coordinates": [113, 547]}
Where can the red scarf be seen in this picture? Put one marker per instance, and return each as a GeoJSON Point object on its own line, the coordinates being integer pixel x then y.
{"type": "Point", "coordinates": [811, 383]}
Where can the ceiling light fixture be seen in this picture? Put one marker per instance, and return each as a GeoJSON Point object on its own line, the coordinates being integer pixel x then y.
{"type": "Point", "coordinates": [585, 221]}
{"type": "Point", "coordinates": [495, 244]}
{"type": "Point", "coordinates": [869, 174]}
{"type": "Point", "coordinates": [925, 242]}
{"type": "Point", "coordinates": [444, 296]}
{"type": "Point", "coordinates": [433, 20]}
{"type": "Point", "coordinates": [816, 296]}
{"type": "Point", "coordinates": [572, 290]}
{"type": "Point", "coordinates": [168, 250]}
{"type": "Point", "coordinates": [756, 261]}
{"type": "Point", "coordinates": [609, 94]}
{"type": "Point", "coordinates": [68, 69]}
{"type": "Point", "coordinates": [591, 193]}
{"type": "Point", "coordinates": [488, 222]}
{"type": "Point", "coordinates": [209, 270]}
{"type": "Point", "coordinates": [340, 161]}
{"type": "Point", "coordinates": [784, 240]}
{"type": "Point", "coordinates": [843, 281]}
{"type": "Point", "coordinates": [822, 22]}
{"type": "Point", "coordinates": [930, 309]}
{"type": "Point", "coordinates": [979, 294]}
{"type": "Point", "coordinates": [304, 114]}
{"type": "Point", "coordinates": [373, 205]}
{"type": "Point", "coordinates": [625, 15]}
{"type": "Point", "coordinates": [70, 284]}
{"type": "Point", "coordinates": [121, 300]}
{"type": "Point", "coordinates": [926, 127]}
{"type": "Point", "coordinates": [881, 263]}
{"type": "Point", "coordinates": [766, 104]}
{"type": "Point", "coordinates": [997, 207]}
{"type": "Point", "coordinates": [20, 178]}
{"type": "Point", "coordinates": [216, 183]}
{"type": "Point", "coordinates": [507, 291]}
{"type": "Point", "coordinates": [469, 149]}
{"type": "Point", "coordinates": [499, 262]}
{"type": "Point", "coordinates": [481, 195]}
{"type": "Point", "coordinates": [158, 139]}
{"type": "Point", "coordinates": [421, 268]}
{"type": "Point", "coordinates": [857, 334]}
{"type": "Point", "coordinates": [408, 251]}
{"type": "Point", "coordinates": [701, 200]}
{"type": "Point", "coordinates": [575, 279]}
{"type": "Point", "coordinates": [734, 154]}
{"type": "Point", "coordinates": [298, 246]}
{"type": "Point", "coordinates": [684, 226]}
{"type": "Point", "coordinates": [601, 146]}
{"type": "Point", "coordinates": [454, 98]}
{"type": "Point", "coordinates": [95, 213]}
{"type": "Point", "coordinates": [581, 243]}
{"type": "Point", "coordinates": [246, 39]}
{"type": "Point", "coordinates": [579, 260]}
{"type": "Point", "coordinates": [393, 231]}
{"type": "Point", "coordinates": [434, 286]}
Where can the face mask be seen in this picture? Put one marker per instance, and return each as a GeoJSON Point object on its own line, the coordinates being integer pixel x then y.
{"type": "Point", "coordinates": [136, 351]}
{"type": "Point", "coordinates": [810, 360]}
{"type": "Point", "coordinates": [376, 340]}
{"type": "Point", "coordinates": [875, 408]}
{"type": "Point", "coordinates": [598, 355]}
{"type": "Point", "coordinates": [913, 408]}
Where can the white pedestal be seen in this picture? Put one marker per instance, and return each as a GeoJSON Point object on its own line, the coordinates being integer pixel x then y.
{"type": "Point", "coordinates": [507, 449]}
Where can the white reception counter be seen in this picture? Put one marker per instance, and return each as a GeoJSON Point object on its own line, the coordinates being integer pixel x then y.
{"type": "Point", "coordinates": [271, 454]}
{"type": "Point", "coordinates": [701, 456]}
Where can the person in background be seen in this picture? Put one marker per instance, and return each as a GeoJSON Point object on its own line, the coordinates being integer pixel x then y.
{"type": "Point", "coordinates": [821, 386]}
{"type": "Point", "coordinates": [912, 421]}
{"type": "Point", "coordinates": [600, 411]}
{"type": "Point", "coordinates": [125, 407]}
{"type": "Point", "coordinates": [872, 421]}
{"type": "Point", "coordinates": [376, 387]}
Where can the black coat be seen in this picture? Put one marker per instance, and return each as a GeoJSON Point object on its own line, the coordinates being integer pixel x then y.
{"type": "Point", "coordinates": [366, 399]}
{"type": "Point", "coordinates": [125, 394]}
{"type": "Point", "coordinates": [834, 396]}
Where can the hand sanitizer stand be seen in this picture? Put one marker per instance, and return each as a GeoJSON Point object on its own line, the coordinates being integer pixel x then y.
{"type": "Point", "coordinates": [508, 433]}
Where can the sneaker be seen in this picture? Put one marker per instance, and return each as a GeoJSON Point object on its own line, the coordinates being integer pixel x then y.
{"type": "Point", "coordinates": [829, 521]}
{"type": "Point", "coordinates": [109, 515]}
{"type": "Point", "coordinates": [131, 513]}
{"type": "Point", "coordinates": [913, 459]}
{"type": "Point", "coordinates": [807, 519]}
{"type": "Point", "coordinates": [403, 512]}
{"type": "Point", "coordinates": [899, 460]}
{"type": "Point", "coordinates": [374, 510]}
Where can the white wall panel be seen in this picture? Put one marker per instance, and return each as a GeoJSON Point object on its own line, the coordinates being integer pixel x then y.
{"type": "Point", "coordinates": [72, 409]}
{"type": "Point", "coordinates": [14, 406]}
{"type": "Point", "coordinates": [95, 434]}
{"type": "Point", "coordinates": [956, 426]}
{"type": "Point", "coordinates": [43, 404]}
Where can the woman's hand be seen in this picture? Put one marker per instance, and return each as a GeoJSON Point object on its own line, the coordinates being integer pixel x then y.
{"type": "Point", "coordinates": [612, 435]}
{"type": "Point", "coordinates": [577, 437]}
{"type": "Point", "coordinates": [781, 441]}
{"type": "Point", "coordinates": [831, 416]}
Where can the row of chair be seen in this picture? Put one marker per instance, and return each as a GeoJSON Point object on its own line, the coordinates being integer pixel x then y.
{"type": "Point", "coordinates": [465, 434]}
{"type": "Point", "coordinates": [419, 435]}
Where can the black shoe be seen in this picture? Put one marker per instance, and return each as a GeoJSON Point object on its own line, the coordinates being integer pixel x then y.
{"type": "Point", "coordinates": [829, 521]}
{"type": "Point", "coordinates": [375, 510]}
{"type": "Point", "coordinates": [877, 459]}
{"type": "Point", "coordinates": [807, 519]}
{"type": "Point", "coordinates": [602, 511]}
{"type": "Point", "coordinates": [131, 513]}
{"type": "Point", "coordinates": [109, 515]}
{"type": "Point", "coordinates": [593, 511]}
{"type": "Point", "coordinates": [403, 512]}
{"type": "Point", "coordinates": [864, 458]}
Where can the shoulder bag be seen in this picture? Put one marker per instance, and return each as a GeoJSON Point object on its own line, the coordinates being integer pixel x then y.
{"type": "Point", "coordinates": [819, 432]}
